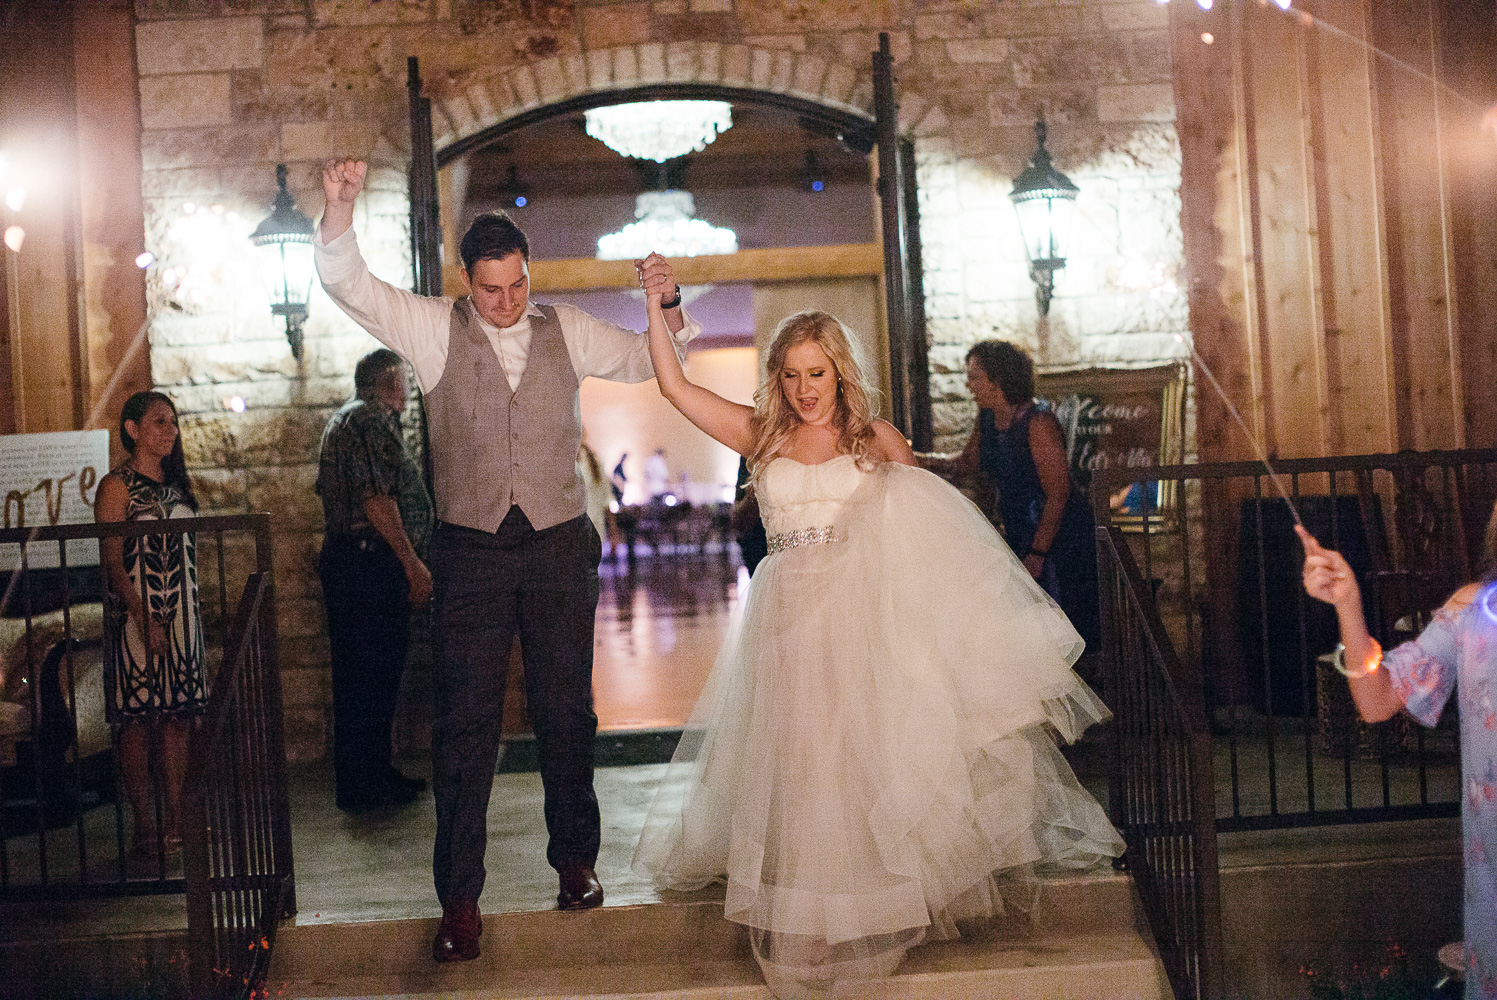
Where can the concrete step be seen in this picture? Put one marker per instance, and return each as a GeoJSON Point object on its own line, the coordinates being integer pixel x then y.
{"type": "Point", "coordinates": [1085, 942]}
{"type": "Point", "coordinates": [146, 964]}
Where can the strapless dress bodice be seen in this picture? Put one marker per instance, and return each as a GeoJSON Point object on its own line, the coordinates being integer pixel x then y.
{"type": "Point", "coordinates": [794, 497]}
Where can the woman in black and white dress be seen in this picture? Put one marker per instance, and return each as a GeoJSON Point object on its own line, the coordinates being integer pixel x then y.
{"type": "Point", "coordinates": [153, 638]}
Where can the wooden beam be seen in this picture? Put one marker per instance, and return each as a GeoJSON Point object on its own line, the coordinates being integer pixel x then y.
{"type": "Point", "coordinates": [112, 218]}
{"type": "Point", "coordinates": [778, 264]}
{"type": "Point", "coordinates": [1417, 200]}
{"type": "Point", "coordinates": [1288, 256]}
{"type": "Point", "coordinates": [1352, 244]}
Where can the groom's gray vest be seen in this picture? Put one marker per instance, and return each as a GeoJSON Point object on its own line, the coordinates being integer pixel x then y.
{"type": "Point", "coordinates": [491, 446]}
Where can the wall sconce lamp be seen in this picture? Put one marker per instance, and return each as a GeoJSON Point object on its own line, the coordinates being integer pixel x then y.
{"type": "Point", "coordinates": [284, 239]}
{"type": "Point", "coordinates": [1045, 200]}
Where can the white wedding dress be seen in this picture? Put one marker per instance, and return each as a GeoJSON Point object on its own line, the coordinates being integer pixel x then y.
{"type": "Point", "coordinates": [874, 751]}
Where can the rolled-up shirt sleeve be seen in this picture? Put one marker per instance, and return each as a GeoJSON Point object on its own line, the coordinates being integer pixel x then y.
{"type": "Point", "coordinates": [414, 326]}
{"type": "Point", "coordinates": [1423, 670]}
{"type": "Point", "coordinates": [603, 350]}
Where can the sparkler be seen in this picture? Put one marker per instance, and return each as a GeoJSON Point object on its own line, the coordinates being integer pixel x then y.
{"type": "Point", "coordinates": [1273, 473]}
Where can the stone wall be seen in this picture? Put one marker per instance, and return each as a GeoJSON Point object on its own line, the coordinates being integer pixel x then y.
{"type": "Point", "coordinates": [229, 89]}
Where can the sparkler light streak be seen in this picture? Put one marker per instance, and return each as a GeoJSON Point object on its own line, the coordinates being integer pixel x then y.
{"type": "Point", "coordinates": [1273, 473]}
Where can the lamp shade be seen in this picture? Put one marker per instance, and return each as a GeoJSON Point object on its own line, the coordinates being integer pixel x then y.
{"type": "Point", "coordinates": [283, 240]}
{"type": "Point", "coordinates": [289, 272]}
{"type": "Point", "coordinates": [1045, 201]}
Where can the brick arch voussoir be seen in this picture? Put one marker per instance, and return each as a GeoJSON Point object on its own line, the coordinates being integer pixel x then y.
{"type": "Point", "coordinates": [509, 93]}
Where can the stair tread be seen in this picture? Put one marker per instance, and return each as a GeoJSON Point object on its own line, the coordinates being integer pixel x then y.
{"type": "Point", "coordinates": [1113, 964]}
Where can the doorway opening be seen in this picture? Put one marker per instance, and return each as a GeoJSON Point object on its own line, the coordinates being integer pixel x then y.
{"type": "Point", "coordinates": [795, 184]}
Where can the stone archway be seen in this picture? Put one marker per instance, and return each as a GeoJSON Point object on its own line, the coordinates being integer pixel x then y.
{"type": "Point", "coordinates": [601, 76]}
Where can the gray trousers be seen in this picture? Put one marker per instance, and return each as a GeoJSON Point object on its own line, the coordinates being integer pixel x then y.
{"type": "Point", "coordinates": [543, 584]}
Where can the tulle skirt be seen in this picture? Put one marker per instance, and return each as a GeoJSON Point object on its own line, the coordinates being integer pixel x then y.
{"type": "Point", "coordinates": [873, 757]}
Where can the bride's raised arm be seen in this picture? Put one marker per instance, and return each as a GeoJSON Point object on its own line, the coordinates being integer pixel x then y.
{"type": "Point", "coordinates": [722, 419]}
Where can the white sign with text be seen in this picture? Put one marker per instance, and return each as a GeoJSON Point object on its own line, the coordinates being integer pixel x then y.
{"type": "Point", "coordinates": [49, 479]}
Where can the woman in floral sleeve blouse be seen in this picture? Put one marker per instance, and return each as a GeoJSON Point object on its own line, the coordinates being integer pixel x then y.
{"type": "Point", "coordinates": [1458, 649]}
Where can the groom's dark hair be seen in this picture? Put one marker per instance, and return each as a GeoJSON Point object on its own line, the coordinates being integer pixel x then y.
{"type": "Point", "coordinates": [492, 236]}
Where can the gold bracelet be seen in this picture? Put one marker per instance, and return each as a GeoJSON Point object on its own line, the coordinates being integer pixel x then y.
{"type": "Point", "coordinates": [1369, 666]}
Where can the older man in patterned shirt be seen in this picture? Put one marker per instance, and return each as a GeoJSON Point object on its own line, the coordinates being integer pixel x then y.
{"type": "Point", "coordinates": [378, 517]}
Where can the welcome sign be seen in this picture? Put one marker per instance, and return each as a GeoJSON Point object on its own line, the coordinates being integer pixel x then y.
{"type": "Point", "coordinates": [49, 479]}
{"type": "Point", "coordinates": [1118, 418]}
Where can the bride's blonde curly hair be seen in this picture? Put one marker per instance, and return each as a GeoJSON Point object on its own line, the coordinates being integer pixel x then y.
{"type": "Point", "coordinates": [774, 418]}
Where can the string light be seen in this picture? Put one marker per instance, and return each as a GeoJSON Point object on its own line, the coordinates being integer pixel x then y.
{"type": "Point", "coordinates": [14, 237]}
{"type": "Point", "coordinates": [145, 259]}
{"type": "Point", "coordinates": [15, 198]}
{"type": "Point", "coordinates": [1207, 37]}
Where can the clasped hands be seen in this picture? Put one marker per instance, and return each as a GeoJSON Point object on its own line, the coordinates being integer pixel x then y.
{"type": "Point", "coordinates": [656, 278]}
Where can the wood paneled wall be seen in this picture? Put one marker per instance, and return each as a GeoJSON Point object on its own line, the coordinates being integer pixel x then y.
{"type": "Point", "coordinates": [1339, 217]}
{"type": "Point", "coordinates": [71, 328]}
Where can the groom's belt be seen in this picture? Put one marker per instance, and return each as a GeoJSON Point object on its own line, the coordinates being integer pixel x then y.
{"type": "Point", "coordinates": [805, 536]}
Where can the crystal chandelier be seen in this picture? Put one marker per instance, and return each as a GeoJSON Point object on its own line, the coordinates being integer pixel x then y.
{"type": "Point", "coordinates": [659, 130]}
{"type": "Point", "coordinates": [668, 226]}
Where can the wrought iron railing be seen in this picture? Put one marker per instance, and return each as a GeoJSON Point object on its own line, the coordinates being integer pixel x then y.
{"type": "Point", "coordinates": [1161, 796]}
{"type": "Point", "coordinates": [238, 829]}
{"type": "Point", "coordinates": [63, 808]}
{"type": "Point", "coordinates": [1224, 564]}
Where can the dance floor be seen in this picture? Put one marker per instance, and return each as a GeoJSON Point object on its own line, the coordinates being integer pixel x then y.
{"type": "Point", "coordinates": [660, 623]}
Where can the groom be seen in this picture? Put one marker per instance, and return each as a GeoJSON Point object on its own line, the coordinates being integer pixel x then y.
{"type": "Point", "coordinates": [513, 551]}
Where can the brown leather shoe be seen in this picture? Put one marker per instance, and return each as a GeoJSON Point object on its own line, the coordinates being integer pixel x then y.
{"type": "Point", "coordinates": [457, 938]}
{"type": "Point", "coordinates": [579, 889]}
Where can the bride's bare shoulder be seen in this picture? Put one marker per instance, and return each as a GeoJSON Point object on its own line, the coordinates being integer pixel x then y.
{"type": "Point", "coordinates": [891, 445]}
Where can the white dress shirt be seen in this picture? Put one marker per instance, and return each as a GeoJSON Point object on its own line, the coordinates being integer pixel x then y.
{"type": "Point", "coordinates": [417, 326]}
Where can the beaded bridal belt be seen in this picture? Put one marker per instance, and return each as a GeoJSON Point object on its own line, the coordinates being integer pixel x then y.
{"type": "Point", "coordinates": [805, 536]}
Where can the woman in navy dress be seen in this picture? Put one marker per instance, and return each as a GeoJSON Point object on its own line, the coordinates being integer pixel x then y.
{"type": "Point", "coordinates": [1018, 447]}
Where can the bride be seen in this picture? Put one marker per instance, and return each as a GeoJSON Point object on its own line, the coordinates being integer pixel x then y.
{"type": "Point", "coordinates": [873, 752]}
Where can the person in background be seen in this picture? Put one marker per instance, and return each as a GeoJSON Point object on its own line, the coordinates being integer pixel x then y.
{"type": "Point", "coordinates": [377, 518]}
{"type": "Point", "coordinates": [1018, 446]}
{"type": "Point", "coordinates": [747, 525]}
{"type": "Point", "coordinates": [1457, 649]}
{"type": "Point", "coordinates": [657, 475]}
{"type": "Point", "coordinates": [153, 638]}
{"type": "Point", "coordinates": [619, 480]}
